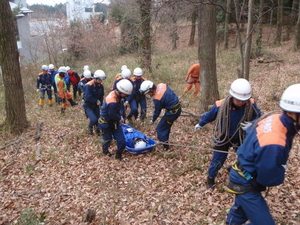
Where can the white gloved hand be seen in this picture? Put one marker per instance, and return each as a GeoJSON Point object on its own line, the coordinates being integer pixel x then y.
{"type": "Point", "coordinates": [122, 119]}
{"type": "Point", "coordinates": [125, 103]}
{"type": "Point", "coordinates": [52, 89]}
{"type": "Point", "coordinates": [98, 102]}
{"type": "Point", "coordinates": [37, 90]}
{"type": "Point", "coordinates": [245, 125]}
{"type": "Point", "coordinates": [151, 122]}
{"type": "Point", "coordinates": [197, 127]}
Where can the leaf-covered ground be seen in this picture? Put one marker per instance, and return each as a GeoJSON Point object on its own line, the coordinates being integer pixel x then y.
{"type": "Point", "coordinates": [62, 174]}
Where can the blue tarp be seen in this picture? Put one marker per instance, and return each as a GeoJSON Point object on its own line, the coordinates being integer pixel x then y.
{"type": "Point", "coordinates": [131, 134]}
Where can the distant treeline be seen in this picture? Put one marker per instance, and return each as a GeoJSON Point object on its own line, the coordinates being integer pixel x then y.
{"type": "Point", "coordinates": [44, 11]}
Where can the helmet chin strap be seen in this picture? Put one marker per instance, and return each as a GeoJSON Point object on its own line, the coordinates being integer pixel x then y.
{"type": "Point", "coordinates": [297, 122]}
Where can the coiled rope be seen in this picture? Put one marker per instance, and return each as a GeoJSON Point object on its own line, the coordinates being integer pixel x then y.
{"type": "Point", "coordinates": [222, 126]}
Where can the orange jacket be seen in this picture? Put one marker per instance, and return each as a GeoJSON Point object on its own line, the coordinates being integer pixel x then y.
{"type": "Point", "coordinates": [193, 72]}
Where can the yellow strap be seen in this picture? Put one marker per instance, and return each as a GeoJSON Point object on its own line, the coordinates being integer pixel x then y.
{"type": "Point", "coordinates": [235, 167]}
{"type": "Point", "coordinates": [233, 192]}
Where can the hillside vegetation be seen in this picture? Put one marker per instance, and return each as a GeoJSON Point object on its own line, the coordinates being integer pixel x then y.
{"type": "Point", "coordinates": [58, 174]}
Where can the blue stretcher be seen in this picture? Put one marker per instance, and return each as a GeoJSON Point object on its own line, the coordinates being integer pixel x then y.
{"type": "Point", "coordinates": [131, 134]}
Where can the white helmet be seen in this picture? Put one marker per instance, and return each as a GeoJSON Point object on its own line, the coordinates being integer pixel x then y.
{"type": "Point", "coordinates": [126, 73]}
{"type": "Point", "coordinates": [44, 67]}
{"type": "Point", "coordinates": [139, 143]}
{"type": "Point", "coordinates": [100, 74]}
{"type": "Point", "coordinates": [138, 72]}
{"type": "Point", "coordinates": [241, 89]}
{"type": "Point", "coordinates": [290, 99]}
{"type": "Point", "coordinates": [62, 69]}
{"type": "Point", "coordinates": [87, 74]}
{"type": "Point", "coordinates": [125, 86]}
{"type": "Point", "coordinates": [146, 86]}
{"type": "Point", "coordinates": [124, 67]}
{"type": "Point", "coordinates": [86, 67]}
{"type": "Point", "coordinates": [51, 66]}
{"type": "Point", "coordinates": [68, 68]}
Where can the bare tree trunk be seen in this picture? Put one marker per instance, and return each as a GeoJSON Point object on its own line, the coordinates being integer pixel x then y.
{"type": "Point", "coordinates": [259, 27]}
{"type": "Point", "coordinates": [226, 23]}
{"type": "Point", "coordinates": [193, 29]}
{"type": "Point", "coordinates": [174, 31]}
{"type": "Point", "coordinates": [207, 55]}
{"type": "Point", "coordinates": [239, 38]}
{"type": "Point", "coordinates": [248, 41]}
{"type": "Point", "coordinates": [12, 80]}
{"type": "Point", "coordinates": [297, 33]}
{"type": "Point", "coordinates": [277, 40]}
{"type": "Point", "coordinates": [291, 21]}
{"type": "Point", "coordinates": [145, 10]}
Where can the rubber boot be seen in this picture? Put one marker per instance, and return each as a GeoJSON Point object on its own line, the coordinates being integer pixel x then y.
{"type": "Point", "coordinates": [62, 110]}
{"type": "Point", "coordinates": [166, 147]}
{"type": "Point", "coordinates": [50, 102]}
{"type": "Point", "coordinates": [119, 156]}
{"type": "Point", "coordinates": [210, 183]}
{"type": "Point", "coordinates": [106, 152]}
{"type": "Point", "coordinates": [72, 102]}
{"type": "Point", "coordinates": [41, 102]}
{"type": "Point", "coordinates": [90, 130]}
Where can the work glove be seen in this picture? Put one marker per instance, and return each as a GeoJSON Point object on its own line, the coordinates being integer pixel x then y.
{"type": "Point", "coordinates": [197, 127]}
{"type": "Point", "coordinates": [98, 102]}
{"type": "Point", "coordinates": [245, 125]}
{"type": "Point", "coordinates": [125, 103]}
{"type": "Point", "coordinates": [37, 90]}
{"type": "Point", "coordinates": [151, 122]}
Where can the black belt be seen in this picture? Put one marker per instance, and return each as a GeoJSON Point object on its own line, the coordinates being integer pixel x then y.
{"type": "Point", "coordinates": [175, 108]}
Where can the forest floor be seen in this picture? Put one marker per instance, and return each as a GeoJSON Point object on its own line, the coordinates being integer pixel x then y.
{"type": "Point", "coordinates": [60, 173]}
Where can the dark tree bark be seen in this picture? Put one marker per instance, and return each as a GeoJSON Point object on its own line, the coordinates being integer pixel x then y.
{"type": "Point", "coordinates": [292, 21]}
{"type": "Point", "coordinates": [145, 10]}
{"type": "Point", "coordinates": [226, 23]}
{"type": "Point", "coordinates": [207, 55]}
{"type": "Point", "coordinates": [277, 40]}
{"type": "Point", "coordinates": [259, 28]}
{"type": "Point", "coordinates": [9, 61]}
{"type": "Point", "coordinates": [193, 29]}
{"type": "Point", "coordinates": [248, 41]}
{"type": "Point", "coordinates": [297, 33]}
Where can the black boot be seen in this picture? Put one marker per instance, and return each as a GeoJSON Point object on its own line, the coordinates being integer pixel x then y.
{"type": "Point", "coordinates": [119, 156]}
{"type": "Point", "coordinates": [106, 152]}
{"type": "Point", "coordinates": [210, 183]}
{"type": "Point", "coordinates": [90, 130]}
{"type": "Point", "coordinates": [72, 102]}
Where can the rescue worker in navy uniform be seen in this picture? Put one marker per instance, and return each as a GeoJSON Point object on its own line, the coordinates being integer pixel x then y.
{"type": "Point", "coordinates": [43, 85]}
{"type": "Point", "coordinates": [262, 159]}
{"type": "Point", "coordinates": [125, 74]}
{"type": "Point", "coordinates": [137, 99]}
{"type": "Point", "coordinates": [53, 73]}
{"type": "Point", "coordinates": [111, 118]}
{"type": "Point", "coordinates": [163, 98]}
{"type": "Point", "coordinates": [87, 76]}
{"type": "Point", "coordinates": [93, 99]}
{"type": "Point", "coordinates": [229, 113]}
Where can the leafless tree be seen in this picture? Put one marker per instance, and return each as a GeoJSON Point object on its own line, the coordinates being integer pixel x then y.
{"type": "Point", "coordinates": [207, 55]}
{"type": "Point", "coordinates": [145, 11]}
{"type": "Point", "coordinates": [9, 61]}
{"type": "Point", "coordinates": [277, 40]}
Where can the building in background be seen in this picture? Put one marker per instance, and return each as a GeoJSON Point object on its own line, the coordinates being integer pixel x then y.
{"type": "Point", "coordinates": [23, 36]}
{"type": "Point", "coordinates": [81, 10]}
